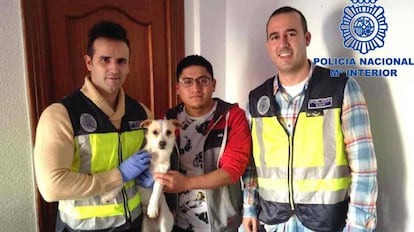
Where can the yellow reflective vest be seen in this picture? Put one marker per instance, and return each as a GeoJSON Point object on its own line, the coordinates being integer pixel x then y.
{"type": "Point", "coordinates": [99, 147]}
{"type": "Point", "coordinates": [307, 173]}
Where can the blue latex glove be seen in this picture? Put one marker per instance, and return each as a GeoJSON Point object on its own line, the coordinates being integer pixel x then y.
{"type": "Point", "coordinates": [135, 165]}
{"type": "Point", "coordinates": [145, 179]}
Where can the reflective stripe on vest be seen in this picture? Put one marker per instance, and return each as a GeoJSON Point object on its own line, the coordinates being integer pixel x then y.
{"type": "Point", "coordinates": [96, 153]}
{"type": "Point", "coordinates": [317, 164]}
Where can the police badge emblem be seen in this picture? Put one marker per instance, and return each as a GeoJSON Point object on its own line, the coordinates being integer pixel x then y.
{"type": "Point", "coordinates": [363, 26]}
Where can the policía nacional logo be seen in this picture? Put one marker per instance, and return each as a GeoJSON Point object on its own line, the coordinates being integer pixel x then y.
{"type": "Point", "coordinates": [363, 26]}
{"type": "Point", "coordinates": [88, 122]}
{"type": "Point", "coordinates": [263, 105]}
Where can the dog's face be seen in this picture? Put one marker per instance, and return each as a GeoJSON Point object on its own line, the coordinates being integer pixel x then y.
{"type": "Point", "coordinates": [160, 133]}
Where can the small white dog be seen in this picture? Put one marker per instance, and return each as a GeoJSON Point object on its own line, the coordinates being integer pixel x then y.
{"type": "Point", "coordinates": [160, 139]}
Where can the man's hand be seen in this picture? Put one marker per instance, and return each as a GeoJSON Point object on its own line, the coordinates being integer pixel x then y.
{"type": "Point", "coordinates": [135, 165]}
{"type": "Point", "coordinates": [145, 179]}
{"type": "Point", "coordinates": [250, 224]}
{"type": "Point", "coordinates": [173, 181]}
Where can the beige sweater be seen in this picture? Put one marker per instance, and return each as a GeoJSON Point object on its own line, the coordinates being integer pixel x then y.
{"type": "Point", "coordinates": [54, 152]}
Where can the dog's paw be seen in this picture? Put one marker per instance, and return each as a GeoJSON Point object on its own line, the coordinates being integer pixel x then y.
{"type": "Point", "coordinates": [106, 198]}
{"type": "Point", "coordinates": [109, 196]}
{"type": "Point", "coordinates": [152, 212]}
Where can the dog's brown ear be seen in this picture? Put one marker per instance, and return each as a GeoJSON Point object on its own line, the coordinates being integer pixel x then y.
{"type": "Point", "coordinates": [176, 123]}
{"type": "Point", "coordinates": [145, 123]}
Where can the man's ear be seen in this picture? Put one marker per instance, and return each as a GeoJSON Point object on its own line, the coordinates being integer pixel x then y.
{"type": "Point", "coordinates": [308, 37]}
{"type": "Point", "coordinates": [88, 62]}
{"type": "Point", "coordinates": [213, 81]}
{"type": "Point", "coordinates": [177, 89]}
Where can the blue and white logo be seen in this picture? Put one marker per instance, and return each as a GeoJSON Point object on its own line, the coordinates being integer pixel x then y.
{"type": "Point", "coordinates": [363, 26]}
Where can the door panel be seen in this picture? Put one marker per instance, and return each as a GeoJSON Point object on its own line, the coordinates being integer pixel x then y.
{"type": "Point", "coordinates": [56, 41]}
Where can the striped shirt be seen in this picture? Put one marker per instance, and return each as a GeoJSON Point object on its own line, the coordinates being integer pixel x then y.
{"type": "Point", "coordinates": [360, 153]}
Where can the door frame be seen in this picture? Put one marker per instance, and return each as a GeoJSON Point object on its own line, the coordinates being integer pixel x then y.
{"type": "Point", "coordinates": [38, 71]}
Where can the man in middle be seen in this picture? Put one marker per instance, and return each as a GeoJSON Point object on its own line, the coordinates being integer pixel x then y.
{"type": "Point", "coordinates": [214, 150]}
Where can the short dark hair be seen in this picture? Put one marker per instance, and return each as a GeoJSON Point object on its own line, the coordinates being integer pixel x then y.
{"type": "Point", "coordinates": [109, 30]}
{"type": "Point", "coordinates": [194, 60]}
{"type": "Point", "coordinates": [288, 9]}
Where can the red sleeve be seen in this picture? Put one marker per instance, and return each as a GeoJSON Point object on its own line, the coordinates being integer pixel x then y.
{"type": "Point", "coordinates": [238, 148]}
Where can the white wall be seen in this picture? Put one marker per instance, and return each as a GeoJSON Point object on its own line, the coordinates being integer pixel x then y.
{"type": "Point", "coordinates": [17, 203]}
{"type": "Point", "coordinates": [231, 34]}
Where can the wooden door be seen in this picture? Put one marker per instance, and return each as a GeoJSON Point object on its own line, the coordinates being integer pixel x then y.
{"type": "Point", "coordinates": [56, 33]}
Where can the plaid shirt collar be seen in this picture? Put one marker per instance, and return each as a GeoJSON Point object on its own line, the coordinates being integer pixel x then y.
{"type": "Point", "coordinates": [277, 85]}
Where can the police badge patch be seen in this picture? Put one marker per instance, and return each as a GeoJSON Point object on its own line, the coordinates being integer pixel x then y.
{"type": "Point", "coordinates": [134, 125]}
{"type": "Point", "coordinates": [88, 122]}
{"type": "Point", "coordinates": [263, 105]}
{"type": "Point", "coordinates": [320, 103]}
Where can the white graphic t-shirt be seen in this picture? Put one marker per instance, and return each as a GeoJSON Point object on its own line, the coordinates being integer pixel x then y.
{"type": "Point", "coordinates": [192, 205]}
